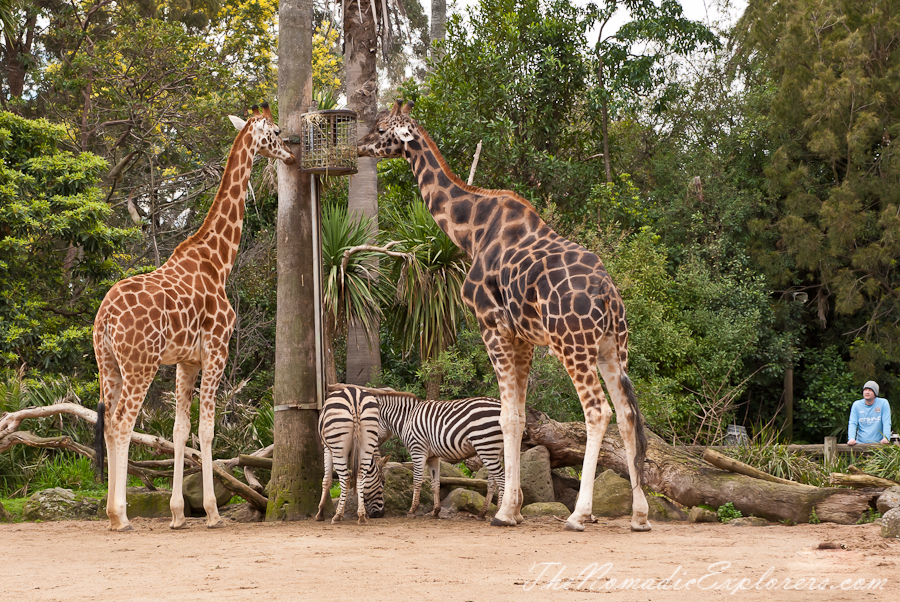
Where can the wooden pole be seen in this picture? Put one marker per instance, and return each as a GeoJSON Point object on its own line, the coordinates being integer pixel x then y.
{"type": "Point", "coordinates": [297, 464]}
{"type": "Point", "coordinates": [830, 450]}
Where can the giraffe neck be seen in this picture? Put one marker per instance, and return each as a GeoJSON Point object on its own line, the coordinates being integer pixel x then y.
{"type": "Point", "coordinates": [451, 201]}
{"type": "Point", "coordinates": [216, 241]}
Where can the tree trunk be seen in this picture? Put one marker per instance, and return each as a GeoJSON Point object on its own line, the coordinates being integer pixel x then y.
{"type": "Point", "coordinates": [297, 466]}
{"type": "Point", "coordinates": [604, 125]}
{"type": "Point", "coordinates": [438, 22]}
{"type": "Point", "coordinates": [691, 481]}
{"type": "Point", "coordinates": [363, 350]}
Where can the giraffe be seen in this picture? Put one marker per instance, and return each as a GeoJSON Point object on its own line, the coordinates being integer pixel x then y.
{"type": "Point", "coordinates": [178, 314]}
{"type": "Point", "coordinates": [529, 286]}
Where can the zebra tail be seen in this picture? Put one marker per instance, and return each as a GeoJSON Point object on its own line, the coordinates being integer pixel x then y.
{"type": "Point", "coordinates": [354, 459]}
{"type": "Point", "coordinates": [99, 439]}
{"type": "Point", "coordinates": [640, 439]}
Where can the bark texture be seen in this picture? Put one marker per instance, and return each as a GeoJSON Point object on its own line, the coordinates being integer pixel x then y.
{"type": "Point", "coordinates": [297, 470]}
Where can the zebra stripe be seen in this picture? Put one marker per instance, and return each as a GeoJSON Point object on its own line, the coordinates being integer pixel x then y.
{"type": "Point", "coordinates": [445, 430]}
{"type": "Point", "coordinates": [348, 426]}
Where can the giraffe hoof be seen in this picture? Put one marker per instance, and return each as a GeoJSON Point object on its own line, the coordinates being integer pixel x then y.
{"type": "Point", "coordinates": [123, 529]}
{"type": "Point", "coordinates": [216, 525]}
{"type": "Point", "coordinates": [320, 517]}
{"type": "Point", "coordinates": [410, 515]}
{"type": "Point", "coordinates": [499, 522]}
{"type": "Point", "coordinates": [640, 527]}
{"type": "Point", "coordinates": [520, 519]}
{"type": "Point", "coordinates": [569, 526]}
{"type": "Point", "coordinates": [178, 526]}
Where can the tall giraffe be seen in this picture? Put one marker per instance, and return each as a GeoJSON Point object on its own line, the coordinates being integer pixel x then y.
{"type": "Point", "coordinates": [178, 314]}
{"type": "Point", "coordinates": [529, 286]}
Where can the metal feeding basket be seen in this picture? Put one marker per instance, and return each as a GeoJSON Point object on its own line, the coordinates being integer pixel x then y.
{"type": "Point", "coordinates": [328, 143]}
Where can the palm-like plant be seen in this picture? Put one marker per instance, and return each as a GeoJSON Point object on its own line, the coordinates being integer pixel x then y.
{"type": "Point", "coordinates": [428, 306]}
{"type": "Point", "coordinates": [353, 294]}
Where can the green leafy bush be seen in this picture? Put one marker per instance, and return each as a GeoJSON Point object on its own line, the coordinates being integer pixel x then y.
{"type": "Point", "coordinates": [727, 512]}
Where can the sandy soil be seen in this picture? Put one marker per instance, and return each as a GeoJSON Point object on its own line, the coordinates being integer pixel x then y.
{"type": "Point", "coordinates": [455, 560]}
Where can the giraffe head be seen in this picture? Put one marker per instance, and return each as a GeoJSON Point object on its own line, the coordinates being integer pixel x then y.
{"type": "Point", "coordinates": [264, 134]}
{"type": "Point", "coordinates": [389, 135]}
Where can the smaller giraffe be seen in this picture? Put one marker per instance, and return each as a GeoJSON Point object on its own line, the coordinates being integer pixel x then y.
{"type": "Point", "coordinates": [178, 314]}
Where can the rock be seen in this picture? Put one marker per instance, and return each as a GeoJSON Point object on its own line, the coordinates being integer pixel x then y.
{"type": "Point", "coordinates": [59, 504]}
{"type": "Point", "coordinates": [888, 500]}
{"type": "Point", "coordinates": [749, 521]}
{"type": "Point", "coordinates": [481, 473]}
{"type": "Point", "coordinates": [662, 509]}
{"type": "Point", "coordinates": [5, 516]}
{"type": "Point", "coordinates": [535, 479]}
{"type": "Point", "coordinates": [192, 487]}
{"type": "Point", "coordinates": [546, 509]}
{"type": "Point", "coordinates": [450, 470]}
{"type": "Point", "coordinates": [447, 470]}
{"type": "Point", "coordinates": [140, 501]}
{"type": "Point", "coordinates": [243, 513]}
{"type": "Point", "coordinates": [612, 495]}
{"type": "Point", "coordinates": [398, 491]}
{"type": "Point", "coordinates": [465, 500]}
{"type": "Point", "coordinates": [565, 490]}
{"type": "Point", "coordinates": [890, 523]}
{"type": "Point", "coordinates": [702, 515]}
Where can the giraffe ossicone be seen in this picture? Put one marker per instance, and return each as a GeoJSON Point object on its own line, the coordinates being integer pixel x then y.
{"type": "Point", "coordinates": [529, 286]}
{"type": "Point", "coordinates": [177, 314]}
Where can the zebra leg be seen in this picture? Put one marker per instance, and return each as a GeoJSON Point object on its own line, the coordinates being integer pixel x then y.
{"type": "Point", "coordinates": [363, 519]}
{"type": "Point", "coordinates": [326, 485]}
{"type": "Point", "coordinates": [345, 487]}
{"type": "Point", "coordinates": [434, 467]}
{"type": "Point", "coordinates": [418, 470]}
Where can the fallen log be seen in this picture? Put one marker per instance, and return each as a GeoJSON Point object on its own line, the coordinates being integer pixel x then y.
{"type": "Point", "coordinates": [9, 436]}
{"type": "Point", "coordinates": [692, 481]}
{"type": "Point", "coordinates": [254, 461]}
{"type": "Point", "coordinates": [724, 462]}
{"type": "Point", "coordinates": [860, 480]}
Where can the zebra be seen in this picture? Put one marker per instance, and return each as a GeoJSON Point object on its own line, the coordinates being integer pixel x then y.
{"type": "Point", "coordinates": [348, 426]}
{"type": "Point", "coordinates": [444, 430]}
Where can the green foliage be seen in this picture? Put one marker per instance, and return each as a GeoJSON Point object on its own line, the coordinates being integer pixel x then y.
{"type": "Point", "coordinates": [514, 78]}
{"type": "Point", "coordinates": [884, 462]}
{"type": "Point", "coordinates": [776, 460]}
{"type": "Point", "coordinates": [55, 247]}
{"type": "Point", "coordinates": [834, 115]}
{"type": "Point", "coordinates": [727, 512]}
{"type": "Point", "coordinates": [813, 517]}
{"type": "Point", "coordinates": [830, 391]}
{"type": "Point", "coordinates": [869, 516]}
{"type": "Point", "coordinates": [427, 309]}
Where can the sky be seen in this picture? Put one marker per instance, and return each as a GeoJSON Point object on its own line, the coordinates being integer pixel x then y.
{"type": "Point", "coordinates": [707, 11]}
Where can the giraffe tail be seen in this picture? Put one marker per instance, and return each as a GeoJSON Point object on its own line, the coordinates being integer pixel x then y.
{"type": "Point", "coordinates": [99, 439]}
{"type": "Point", "coordinates": [640, 438]}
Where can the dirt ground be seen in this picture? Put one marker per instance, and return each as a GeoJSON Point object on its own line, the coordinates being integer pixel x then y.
{"type": "Point", "coordinates": [448, 560]}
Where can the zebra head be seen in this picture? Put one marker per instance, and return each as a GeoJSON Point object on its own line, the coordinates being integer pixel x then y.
{"type": "Point", "coordinates": [373, 494]}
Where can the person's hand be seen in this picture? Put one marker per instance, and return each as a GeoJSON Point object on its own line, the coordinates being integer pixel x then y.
{"type": "Point", "coordinates": [851, 442]}
{"type": "Point", "coordinates": [883, 440]}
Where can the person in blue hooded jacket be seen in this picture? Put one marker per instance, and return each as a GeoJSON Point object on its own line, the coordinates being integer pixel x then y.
{"type": "Point", "coordinates": [870, 417]}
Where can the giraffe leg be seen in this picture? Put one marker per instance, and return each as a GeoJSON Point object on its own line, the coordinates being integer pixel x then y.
{"type": "Point", "coordinates": [326, 485]}
{"type": "Point", "coordinates": [118, 439]}
{"type": "Point", "coordinates": [212, 374]}
{"type": "Point", "coordinates": [511, 359]}
{"type": "Point", "coordinates": [186, 377]}
{"type": "Point", "coordinates": [630, 427]}
{"type": "Point", "coordinates": [434, 469]}
{"type": "Point", "coordinates": [597, 414]}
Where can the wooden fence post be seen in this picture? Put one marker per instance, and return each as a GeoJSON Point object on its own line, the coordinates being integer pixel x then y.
{"type": "Point", "coordinates": [830, 450]}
